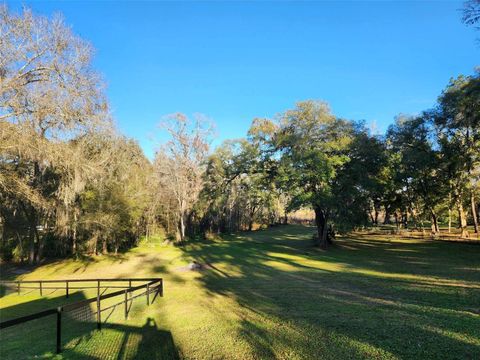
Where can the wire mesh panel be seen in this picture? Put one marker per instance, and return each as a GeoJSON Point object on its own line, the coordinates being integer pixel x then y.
{"type": "Point", "coordinates": [77, 324]}
{"type": "Point", "coordinates": [67, 325]}
{"type": "Point", "coordinates": [83, 314]}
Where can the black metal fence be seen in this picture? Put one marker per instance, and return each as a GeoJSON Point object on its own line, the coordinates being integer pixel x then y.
{"type": "Point", "coordinates": [153, 287]}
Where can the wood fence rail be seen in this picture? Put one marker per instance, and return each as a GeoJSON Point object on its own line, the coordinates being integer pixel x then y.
{"type": "Point", "coordinates": [151, 285]}
{"type": "Point", "coordinates": [67, 287]}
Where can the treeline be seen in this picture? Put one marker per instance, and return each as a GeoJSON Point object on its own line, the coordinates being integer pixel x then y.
{"type": "Point", "coordinates": [425, 169]}
{"type": "Point", "coordinates": [70, 184]}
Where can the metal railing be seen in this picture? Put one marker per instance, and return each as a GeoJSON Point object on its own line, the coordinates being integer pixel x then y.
{"type": "Point", "coordinates": [151, 286]}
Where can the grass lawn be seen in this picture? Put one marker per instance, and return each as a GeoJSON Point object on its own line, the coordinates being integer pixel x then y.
{"type": "Point", "coordinates": [270, 295]}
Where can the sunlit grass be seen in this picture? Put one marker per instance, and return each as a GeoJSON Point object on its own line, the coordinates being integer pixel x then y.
{"type": "Point", "coordinates": [270, 294]}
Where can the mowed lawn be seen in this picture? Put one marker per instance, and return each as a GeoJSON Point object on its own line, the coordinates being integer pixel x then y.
{"type": "Point", "coordinates": [271, 295]}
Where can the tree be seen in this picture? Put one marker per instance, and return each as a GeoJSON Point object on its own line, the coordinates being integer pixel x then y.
{"type": "Point", "coordinates": [49, 96]}
{"type": "Point", "coordinates": [360, 186]}
{"type": "Point", "coordinates": [457, 119]}
{"type": "Point", "coordinates": [412, 139]}
{"type": "Point", "coordinates": [180, 163]}
{"type": "Point", "coordinates": [112, 207]}
{"type": "Point", "coordinates": [313, 145]}
{"type": "Point", "coordinates": [239, 189]}
{"type": "Point", "coordinates": [471, 12]}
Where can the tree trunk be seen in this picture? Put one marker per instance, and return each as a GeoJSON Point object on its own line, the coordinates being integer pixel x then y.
{"type": "Point", "coordinates": [230, 221]}
{"type": "Point", "coordinates": [104, 246]}
{"type": "Point", "coordinates": [74, 234]}
{"type": "Point", "coordinates": [3, 226]}
{"type": "Point", "coordinates": [31, 216]}
{"type": "Point", "coordinates": [182, 228]}
{"type": "Point", "coordinates": [250, 222]}
{"type": "Point", "coordinates": [462, 220]}
{"type": "Point", "coordinates": [168, 219]}
{"type": "Point", "coordinates": [474, 212]}
{"type": "Point", "coordinates": [387, 216]}
{"type": "Point", "coordinates": [449, 220]}
{"type": "Point", "coordinates": [31, 252]}
{"type": "Point", "coordinates": [413, 218]}
{"type": "Point", "coordinates": [405, 219]}
{"type": "Point", "coordinates": [478, 211]}
{"type": "Point", "coordinates": [20, 245]}
{"type": "Point", "coordinates": [435, 229]}
{"type": "Point", "coordinates": [449, 212]}
{"type": "Point", "coordinates": [40, 246]}
{"type": "Point", "coordinates": [324, 241]}
{"type": "Point", "coordinates": [321, 222]}
{"type": "Point", "coordinates": [95, 245]}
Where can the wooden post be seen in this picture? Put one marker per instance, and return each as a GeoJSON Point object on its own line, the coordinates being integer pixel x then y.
{"type": "Point", "coordinates": [41, 292]}
{"type": "Point", "coordinates": [98, 288]}
{"type": "Point", "coordinates": [18, 287]}
{"type": "Point", "coordinates": [148, 294]}
{"type": "Point", "coordinates": [157, 292]}
{"type": "Point", "coordinates": [126, 304]}
{"type": "Point", "coordinates": [99, 318]}
{"type": "Point", "coordinates": [59, 330]}
{"type": "Point", "coordinates": [161, 287]}
{"type": "Point", "coordinates": [129, 288]}
{"type": "Point", "coordinates": [66, 288]}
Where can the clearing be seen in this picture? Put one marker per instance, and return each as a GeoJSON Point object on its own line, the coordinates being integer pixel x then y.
{"type": "Point", "coordinates": [270, 295]}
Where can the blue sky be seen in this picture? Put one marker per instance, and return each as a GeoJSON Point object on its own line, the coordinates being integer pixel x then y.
{"type": "Point", "coordinates": [234, 61]}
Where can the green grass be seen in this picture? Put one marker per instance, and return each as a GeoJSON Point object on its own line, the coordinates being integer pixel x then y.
{"type": "Point", "coordinates": [270, 295]}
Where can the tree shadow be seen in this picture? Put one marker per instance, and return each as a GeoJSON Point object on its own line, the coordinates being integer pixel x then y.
{"type": "Point", "coordinates": [79, 264]}
{"type": "Point", "coordinates": [80, 337]}
{"type": "Point", "coordinates": [361, 299]}
{"type": "Point", "coordinates": [25, 305]}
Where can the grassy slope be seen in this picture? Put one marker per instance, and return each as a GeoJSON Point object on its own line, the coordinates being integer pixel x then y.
{"type": "Point", "coordinates": [269, 294]}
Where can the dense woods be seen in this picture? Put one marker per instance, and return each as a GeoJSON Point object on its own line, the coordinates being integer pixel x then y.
{"type": "Point", "coordinates": [71, 184]}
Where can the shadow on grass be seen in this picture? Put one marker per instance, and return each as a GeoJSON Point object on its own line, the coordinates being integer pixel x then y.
{"type": "Point", "coordinates": [119, 341]}
{"type": "Point", "coordinates": [80, 338]}
{"type": "Point", "coordinates": [80, 262]}
{"type": "Point", "coordinates": [363, 298]}
{"type": "Point", "coordinates": [26, 307]}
